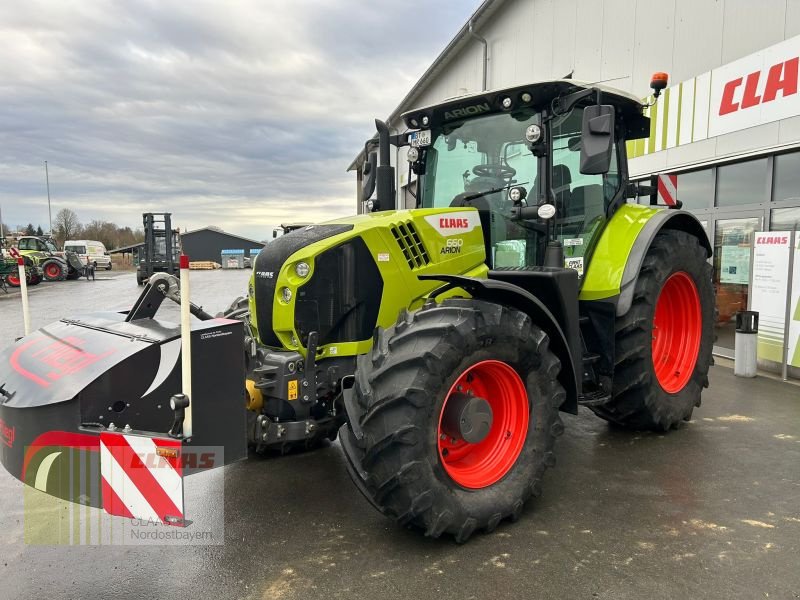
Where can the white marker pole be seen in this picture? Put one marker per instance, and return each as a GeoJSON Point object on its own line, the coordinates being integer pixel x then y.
{"type": "Point", "coordinates": [186, 345]}
{"type": "Point", "coordinates": [23, 288]}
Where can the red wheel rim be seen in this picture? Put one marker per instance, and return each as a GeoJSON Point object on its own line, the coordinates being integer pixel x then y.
{"type": "Point", "coordinates": [52, 270]}
{"type": "Point", "coordinates": [13, 280]}
{"type": "Point", "coordinates": [677, 328]}
{"type": "Point", "coordinates": [480, 465]}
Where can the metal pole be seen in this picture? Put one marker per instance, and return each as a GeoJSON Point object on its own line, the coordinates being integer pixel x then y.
{"type": "Point", "coordinates": [186, 344]}
{"type": "Point", "coordinates": [2, 233]}
{"type": "Point", "coordinates": [23, 288]}
{"type": "Point", "coordinates": [49, 213]}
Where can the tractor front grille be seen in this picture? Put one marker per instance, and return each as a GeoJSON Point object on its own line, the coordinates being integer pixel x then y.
{"type": "Point", "coordinates": [410, 244]}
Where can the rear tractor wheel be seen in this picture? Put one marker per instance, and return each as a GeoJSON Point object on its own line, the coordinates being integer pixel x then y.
{"type": "Point", "coordinates": [456, 414]}
{"type": "Point", "coordinates": [664, 342]}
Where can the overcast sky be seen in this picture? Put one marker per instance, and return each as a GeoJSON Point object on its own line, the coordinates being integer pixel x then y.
{"type": "Point", "coordinates": [240, 114]}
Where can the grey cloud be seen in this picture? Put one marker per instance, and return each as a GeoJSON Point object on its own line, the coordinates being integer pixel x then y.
{"type": "Point", "coordinates": [240, 114]}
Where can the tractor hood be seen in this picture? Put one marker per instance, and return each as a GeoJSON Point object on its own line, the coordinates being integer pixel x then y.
{"type": "Point", "coordinates": [343, 278]}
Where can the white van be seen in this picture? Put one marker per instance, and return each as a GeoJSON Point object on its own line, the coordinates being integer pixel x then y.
{"type": "Point", "coordinates": [90, 252]}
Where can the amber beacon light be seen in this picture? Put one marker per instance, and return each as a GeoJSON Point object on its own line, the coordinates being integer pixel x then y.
{"type": "Point", "coordinates": [658, 82]}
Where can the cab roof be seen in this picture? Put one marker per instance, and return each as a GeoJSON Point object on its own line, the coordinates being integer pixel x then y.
{"type": "Point", "coordinates": [541, 96]}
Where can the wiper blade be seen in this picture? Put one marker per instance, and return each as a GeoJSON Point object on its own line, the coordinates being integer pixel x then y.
{"type": "Point", "coordinates": [494, 191]}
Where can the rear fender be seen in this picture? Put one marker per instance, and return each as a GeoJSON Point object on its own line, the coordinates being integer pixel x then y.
{"type": "Point", "coordinates": [501, 292]}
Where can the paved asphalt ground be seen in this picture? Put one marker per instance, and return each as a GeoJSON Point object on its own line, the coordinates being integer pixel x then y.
{"type": "Point", "coordinates": [709, 511]}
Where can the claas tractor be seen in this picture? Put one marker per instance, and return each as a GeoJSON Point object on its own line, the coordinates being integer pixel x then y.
{"type": "Point", "coordinates": [439, 343]}
{"type": "Point", "coordinates": [56, 265]}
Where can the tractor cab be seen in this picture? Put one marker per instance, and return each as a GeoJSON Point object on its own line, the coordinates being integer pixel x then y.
{"type": "Point", "coordinates": [544, 164]}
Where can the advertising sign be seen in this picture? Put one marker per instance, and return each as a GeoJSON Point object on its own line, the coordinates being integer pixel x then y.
{"type": "Point", "coordinates": [759, 88]}
{"type": "Point", "coordinates": [768, 291]}
{"type": "Point", "coordinates": [794, 302]}
{"type": "Point", "coordinates": [735, 264]}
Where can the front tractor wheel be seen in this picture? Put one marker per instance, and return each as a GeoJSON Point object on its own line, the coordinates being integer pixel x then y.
{"type": "Point", "coordinates": [454, 417]}
{"type": "Point", "coordinates": [54, 271]}
{"type": "Point", "coordinates": [664, 342]}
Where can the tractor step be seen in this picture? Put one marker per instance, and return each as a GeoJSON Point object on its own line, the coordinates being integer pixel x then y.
{"type": "Point", "coordinates": [593, 398]}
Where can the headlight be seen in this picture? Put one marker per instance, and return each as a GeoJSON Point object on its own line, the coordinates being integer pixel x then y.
{"type": "Point", "coordinates": [533, 133]}
{"type": "Point", "coordinates": [425, 120]}
{"type": "Point", "coordinates": [506, 102]}
{"type": "Point", "coordinates": [413, 155]}
{"type": "Point", "coordinates": [302, 269]}
{"type": "Point", "coordinates": [286, 295]}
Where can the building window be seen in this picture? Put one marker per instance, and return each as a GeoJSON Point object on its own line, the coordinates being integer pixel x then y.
{"type": "Point", "coordinates": [785, 219]}
{"type": "Point", "coordinates": [786, 185]}
{"type": "Point", "coordinates": [742, 183]}
{"type": "Point", "coordinates": [696, 189]}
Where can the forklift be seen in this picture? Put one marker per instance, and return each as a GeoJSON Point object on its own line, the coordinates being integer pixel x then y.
{"type": "Point", "coordinates": [161, 250]}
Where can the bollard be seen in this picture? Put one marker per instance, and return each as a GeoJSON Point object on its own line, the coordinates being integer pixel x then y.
{"type": "Point", "coordinates": [746, 344]}
{"type": "Point", "coordinates": [186, 345]}
{"type": "Point", "coordinates": [23, 288]}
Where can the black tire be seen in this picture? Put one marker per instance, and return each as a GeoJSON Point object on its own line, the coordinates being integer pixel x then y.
{"type": "Point", "coordinates": [109, 267]}
{"type": "Point", "coordinates": [34, 280]}
{"type": "Point", "coordinates": [54, 270]}
{"type": "Point", "coordinates": [638, 400]}
{"type": "Point", "coordinates": [399, 391]}
{"type": "Point", "coordinates": [74, 274]}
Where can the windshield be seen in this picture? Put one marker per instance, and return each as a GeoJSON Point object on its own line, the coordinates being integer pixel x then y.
{"type": "Point", "coordinates": [471, 163]}
{"type": "Point", "coordinates": [479, 155]}
{"type": "Point", "coordinates": [76, 249]}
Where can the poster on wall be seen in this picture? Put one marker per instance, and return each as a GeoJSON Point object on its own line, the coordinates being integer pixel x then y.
{"type": "Point", "coordinates": [794, 315]}
{"type": "Point", "coordinates": [768, 290]}
{"type": "Point", "coordinates": [735, 264]}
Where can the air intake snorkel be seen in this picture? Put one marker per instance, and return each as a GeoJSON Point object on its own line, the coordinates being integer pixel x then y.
{"type": "Point", "coordinates": [385, 175]}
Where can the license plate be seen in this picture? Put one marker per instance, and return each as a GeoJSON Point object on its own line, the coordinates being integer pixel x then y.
{"type": "Point", "coordinates": [420, 138]}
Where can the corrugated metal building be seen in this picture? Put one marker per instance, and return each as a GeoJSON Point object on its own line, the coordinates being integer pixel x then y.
{"type": "Point", "coordinates": [209, 242]}
{"type": "Point", "coordinates": [728, 126]}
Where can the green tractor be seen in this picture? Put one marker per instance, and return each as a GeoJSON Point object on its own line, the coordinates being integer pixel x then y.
{"type": "Point", "coordinates": [55, 265]}
{"type": "Point", "coordinates": [441, 342]}
{"type": "Point", "coordinates": [9, 271]}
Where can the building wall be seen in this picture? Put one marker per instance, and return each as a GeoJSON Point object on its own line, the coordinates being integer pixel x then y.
{"type": "Point", "coordinates": [207, 244]}
{"type": "Point", "coordinates": [624, 41]}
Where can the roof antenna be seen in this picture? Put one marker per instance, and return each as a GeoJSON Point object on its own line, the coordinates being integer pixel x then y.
{"type": "Point", "coordinates": [568, 75]}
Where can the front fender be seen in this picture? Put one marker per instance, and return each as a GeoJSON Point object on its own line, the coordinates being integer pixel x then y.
{"type": "Point", "coordinates": [502, 292]}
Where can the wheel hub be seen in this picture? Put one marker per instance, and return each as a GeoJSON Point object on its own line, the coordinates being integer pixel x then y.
{"type": "Point", "coordinates": [467, 417]}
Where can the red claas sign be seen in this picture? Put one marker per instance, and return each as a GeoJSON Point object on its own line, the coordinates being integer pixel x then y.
{"type": "Point", "coordinates": [744, 92]}
{"type": "Point", "coordinates": [759, 88]}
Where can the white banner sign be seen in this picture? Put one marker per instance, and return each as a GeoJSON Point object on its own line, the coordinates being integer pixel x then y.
{"type": "Point", "coordinates": [768, 290]}
{"type": "Point", "coordinates": [759, 88]}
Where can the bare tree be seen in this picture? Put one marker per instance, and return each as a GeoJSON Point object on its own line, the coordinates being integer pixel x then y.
{"type": "Point", "coordinates": [66, 225]}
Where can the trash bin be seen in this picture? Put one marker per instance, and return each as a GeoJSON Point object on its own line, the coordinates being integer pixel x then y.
{"type": "Point", "coordinates": [745, 353]}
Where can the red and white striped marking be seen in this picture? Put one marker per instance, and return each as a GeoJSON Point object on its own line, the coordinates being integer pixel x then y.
{"type": "Point", "coordinates": [667, 188]}
{"type": "Point", "coordinates": [142, 477]}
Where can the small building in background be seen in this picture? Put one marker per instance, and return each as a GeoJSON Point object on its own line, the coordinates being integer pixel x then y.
{"type": "Point", "coordinates": [208, 243]}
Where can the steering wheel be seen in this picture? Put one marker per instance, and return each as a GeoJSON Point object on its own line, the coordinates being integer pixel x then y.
{"type": "Point", "coordinates": [495, 170]}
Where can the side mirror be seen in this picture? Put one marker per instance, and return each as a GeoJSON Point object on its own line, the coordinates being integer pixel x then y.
{"type": "Point", "coordinates": [597, 139]}
{"type": "Point", "coordinates": [369, 175]}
